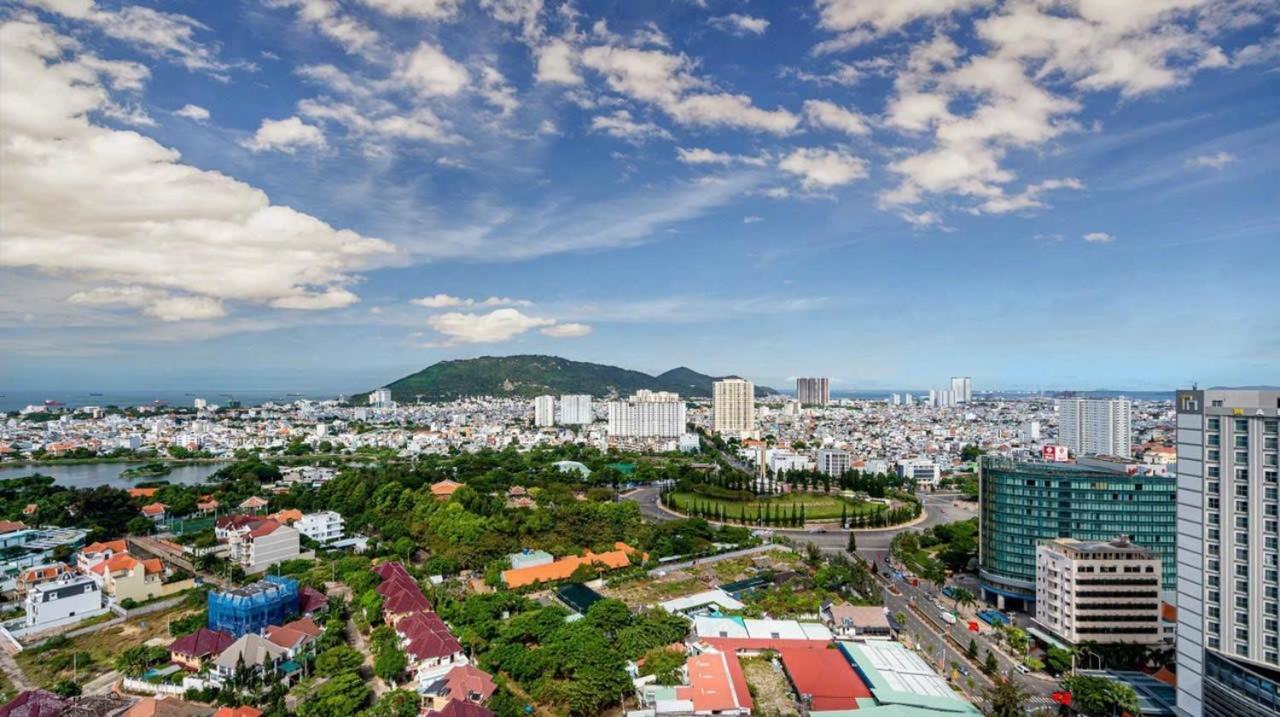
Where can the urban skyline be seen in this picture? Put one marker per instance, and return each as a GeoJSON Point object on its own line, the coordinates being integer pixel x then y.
{"type": "Point", "coordinates": [409, 186]}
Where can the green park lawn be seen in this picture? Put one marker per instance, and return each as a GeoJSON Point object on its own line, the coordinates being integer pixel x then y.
{"type": "Point", "coordinates": [817, 506]}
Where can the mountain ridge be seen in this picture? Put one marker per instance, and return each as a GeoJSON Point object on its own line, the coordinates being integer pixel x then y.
{"type": "Point", "coordinates": [528, 375]}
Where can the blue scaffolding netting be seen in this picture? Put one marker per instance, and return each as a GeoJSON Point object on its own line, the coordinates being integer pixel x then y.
{"type": "Point", "coordinates": [253, 607]}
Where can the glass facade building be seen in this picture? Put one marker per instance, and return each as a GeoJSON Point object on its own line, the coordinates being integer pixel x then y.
{"type": "Point", "coordinates": [1025, 502]}
{"type": "Point", "coordinates": [252, 608]}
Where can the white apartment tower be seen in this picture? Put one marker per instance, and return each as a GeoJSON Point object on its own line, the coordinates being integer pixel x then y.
{"type": "Point", "coordinates": [813, 391]}
{"type": "Point", "coordinates": [733, 406]}
{"type": "Point", "coordinates": [1098, 591]}
{"type": "Point", "coordinates": [575, 410]}
{"type": "Point", "coordinates": [380, 397]}
{"type": "Point", "coordinates": [1096, 426]}
{"type": "Point", "coordinates": [1228, 637]}
{"type": "Point", "coordinates": [647, 417]}
{"type": "Point", "coordinates": [544, 411]}
{"type": "Point", "coordinates": [962, 389]}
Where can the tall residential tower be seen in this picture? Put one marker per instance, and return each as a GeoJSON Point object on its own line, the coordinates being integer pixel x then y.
{"type": "Point", "coordinates": [813, 391]}
{"type": "Point", "coordinates": [1096, 426]}
{"type": "Point", "coordinates": [733, 406]}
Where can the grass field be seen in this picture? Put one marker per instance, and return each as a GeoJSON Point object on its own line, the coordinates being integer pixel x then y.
{"type": "Point", "coordinates": [817, 506]}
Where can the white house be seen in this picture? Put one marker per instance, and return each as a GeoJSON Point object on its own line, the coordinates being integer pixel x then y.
{"type": "Point", "coordinates": [259, 545]}
{"type": "Point", "coordinates": [323, 527]}
{"type": "Point", "coordinates": [57, 602]}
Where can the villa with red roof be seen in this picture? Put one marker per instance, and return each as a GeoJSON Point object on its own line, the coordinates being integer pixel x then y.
{"type": "Point", "coordinates": [466, 683]}
{"type": "Point", "coordinates": [191, 651]}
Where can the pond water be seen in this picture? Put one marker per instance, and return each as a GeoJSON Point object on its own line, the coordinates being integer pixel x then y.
{"type": "Point", "coordinates": [92, 475]}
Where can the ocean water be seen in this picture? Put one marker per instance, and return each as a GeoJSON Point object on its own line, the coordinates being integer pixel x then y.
{"type": "Point", "coordinates": [16, 399]}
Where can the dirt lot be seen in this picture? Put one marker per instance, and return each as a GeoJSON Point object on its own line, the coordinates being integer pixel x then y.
{"type": "Point", "coordinates": [678, 583]}
{"type": "Point", "coordinates": [769, 688]}
{"type": "Point", "coordinates": [92, 655]}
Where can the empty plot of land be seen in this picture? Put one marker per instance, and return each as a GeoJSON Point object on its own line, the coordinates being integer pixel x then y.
{"type": "Point", "coordinates": [769, 688]}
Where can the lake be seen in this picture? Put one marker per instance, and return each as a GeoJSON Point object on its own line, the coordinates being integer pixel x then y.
{"type": "Point", "coordinates": [92, 475]}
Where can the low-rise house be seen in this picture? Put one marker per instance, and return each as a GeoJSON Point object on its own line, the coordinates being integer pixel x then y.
{"type": "Point", "coordinates": [466, 683]}
{"type": "Point", "coordinates": [192, 651]}
{"type": "Point", "coordinates": [295, 637]}
{"type": "Point", "coordinates": [94, 553]}
{"type": "Point", "coordinates": [324, 527]}
{"type": "Point", "coordinates": [68, 599]}
{"type": "Point", "coordinates": [124, 577]}
{"type": "Point", "coordinates": [311, 601]}
{"type": "Point", "coordinates": [459, 708]}
{"type": "Point", "coordinates": [430, 646]}
{"type": "Point", "coordinates": [241, 711]}
{"type": "Point", "coordinates": [253, 652]}
{"type": "Point", "coordinates": [562, 569]}
{"type": "Point", "coordinates": [166, 707]}
{"type": "Point", "coordinates": [716, 686]}
{"type": "Point", "coordinates": [850, 621]}
{"type": "Point", "coordinates": [444, 490]}
{"type": "Point", "coordinates": [207, 504]}
{"type": "Point", "coordinates": [288, 516]}
{"type": "Point", "coordinates": [253, 504]}
{"type": "Point", "coordinates": [703, 603]}
{"type": "Point", "coordinates": [40, 575]}
{"type": "Point", "coordinates": [155, 511]}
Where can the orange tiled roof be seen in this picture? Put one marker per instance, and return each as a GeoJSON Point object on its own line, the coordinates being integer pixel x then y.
{"type": "Point", "coordinates": [8, 526]}
{"type": "Point", "coordinates": [561, 569]}
{"type": "Point", "coordinates": [142, 492]}
{"type": "Point", "coordinates": [445, 488]}
{"type": "Point", "coordinates": [288, 516]}
{"type": "Point", "coordinates": [153, 509]}
{"type": "Point", "coordinates": [241, 711]}
{"type": "Point", "coordinates": [115, 546]}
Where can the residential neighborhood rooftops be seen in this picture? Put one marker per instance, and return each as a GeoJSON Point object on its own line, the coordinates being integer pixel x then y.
{"type": "Point", "coordinates": [167, 707]}
{"type": "Point", "coordinates": [34, 703]}
{"type": "Point", "coordinates": [459, 708]}
{"type": "Point", "coordinates": [716, 684]}
{"type": "Point", "coordinates": [898, 676]}
{"type": "Point", "coordinates": [706, 598]}
{"type": "Point", "coordinates": [619, 557]}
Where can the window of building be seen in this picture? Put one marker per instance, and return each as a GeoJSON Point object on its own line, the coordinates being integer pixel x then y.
{"type": "Point", "coordinates": [1215, 423]}
{"type": "Point", "coordinates": [1242, 425]}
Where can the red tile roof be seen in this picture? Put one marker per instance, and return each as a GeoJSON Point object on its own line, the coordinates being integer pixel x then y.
{"type": "Point", "coordinates": [428, 637]}
{"type": "Point", "coordinates": [241, 711]}
{"type": "Point", "coordinates": [202, 643]}
{"type": "Point", "coordinates": [714, 685]}
{"type": "Point", "coordinates": [34, 703]}
{"type": "Point", "coordinates": [457, 708]}
{"type": "Point", "coordinates": [310, 600]}
{"type": "Point", "coordinates": [825, 675]}
{"type": "Point", "coordinates": [465, 681]}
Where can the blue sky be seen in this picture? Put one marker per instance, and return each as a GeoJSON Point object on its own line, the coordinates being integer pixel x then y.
{"type": "Point", "coordinates": [326, 194]}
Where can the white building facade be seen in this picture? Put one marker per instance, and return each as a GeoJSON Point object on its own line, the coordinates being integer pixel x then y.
{"type": "Point", "coordinates": [58, 602]}
{"type": "Point", "coordinates": [575, 410]}
{"type": "Point", "coordinates": [1096, 426]}
{"type": "Point", "coordinates": [1104, 592]}
{"type": "Point", "coordinates": [645, 417]}
{"type": "Point", "coordinates": [733, 406]}
{"type": "Point", "coordinates": [324, 527]}
{"type": "Point", "coordinates": [544, 411]}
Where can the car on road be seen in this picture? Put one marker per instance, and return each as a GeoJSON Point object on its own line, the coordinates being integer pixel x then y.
{"type": "Point", "coordinates": [948, 617]}
{"type": "Point", "coordinates": [1022, 668]}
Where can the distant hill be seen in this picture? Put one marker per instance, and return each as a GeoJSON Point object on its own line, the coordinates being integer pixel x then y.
{"type": "Point", "coordinates": [532, 375]}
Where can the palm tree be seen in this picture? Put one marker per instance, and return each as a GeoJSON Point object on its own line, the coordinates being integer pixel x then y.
{"type": "Point", "coordinates": [963, 598]}
{"type": "Point", "coordinates": [1005, 698]}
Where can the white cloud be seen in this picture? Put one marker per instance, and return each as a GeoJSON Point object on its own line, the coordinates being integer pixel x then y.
{"type": "Point", "coordinates": [752, 219]}
{"type": "Point", "coordinates": [497, 325]}
{"type": "Point", "coordinates": [567, 331]}
{"type": "Point", "coordinates": [556, 64]}
{"type": "Point", "coordinates": [426, 9]}
{"type": "Point", "coordinates": [738, 24]}
{"type": "Point", "coordinates": [327, 17]}
{"type": "Point", "coordinates": [664, 80]}
{"type": "Point", "coordinates": [164, 35]}
{"type": "Point", "coordinates": [117, 208]}
{"type": "Point", "coordinates": [829, 115]}
{"type": "Point", "coordinates": [1028, 198]}
{"type": "Point", "coordinates": [376, 125]}
{"type": "Point", "coordinates": [823, 168]}
{"type": "Point", "coordinates": [432, 73]}
{"type": "Point", "coordinates": [495, 90]}
{"type": "Point", "coordinates": [1099, 238]}
{"type": "Point", "coordinates": [287, 135]}
{"type": "Point", "coordinates": [701, 155]}
{"type": "Point", "coordinates": [859, 21]}
{"type": "Point", "coordinates": [445, 301]}
{"type": "Point", "coordinates": [185, 308]}
{"type": "Point", "coordinates": [1216, 161]}
{"type": "Point", "coordinates": [194, 113]}
{"type": "Point", "coordinates": [620, 124]}
{"type": "Point", "coordinates": [523, 13]}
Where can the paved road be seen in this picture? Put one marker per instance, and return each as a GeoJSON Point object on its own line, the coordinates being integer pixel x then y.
{"type": "Point", "coordinates": [924, 619]}
{"type": "Point", "coordinates": [668, 567]}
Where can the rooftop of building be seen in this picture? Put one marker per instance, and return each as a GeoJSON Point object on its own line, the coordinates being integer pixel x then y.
{"type": "Point", "coordinates": [1120, 545]}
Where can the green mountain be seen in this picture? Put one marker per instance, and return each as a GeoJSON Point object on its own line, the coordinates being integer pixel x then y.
{"type": "Point", "coordinates": [687, 382]}
{"type": "Point", "coordinates": [531, 375]}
